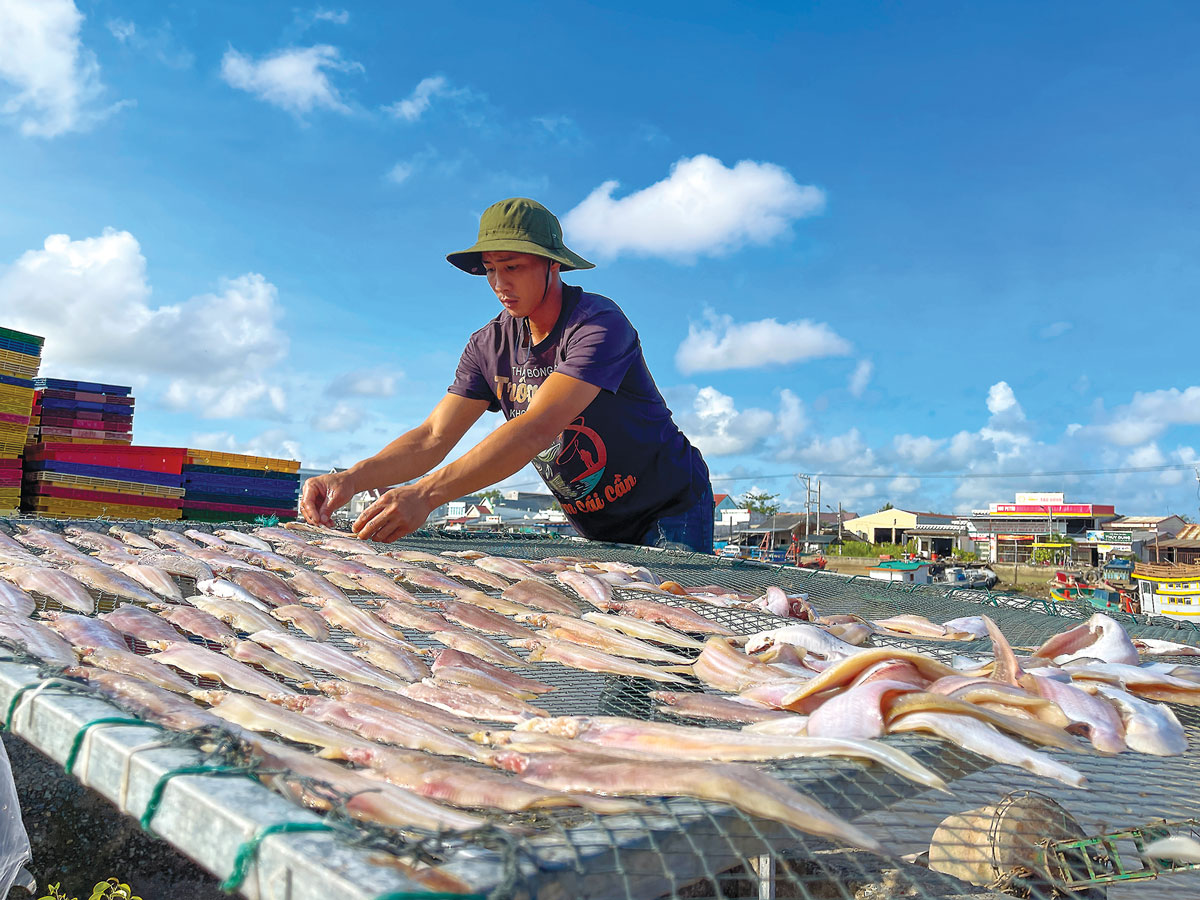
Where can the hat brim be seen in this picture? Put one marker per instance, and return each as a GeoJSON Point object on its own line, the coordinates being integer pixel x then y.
{"type": "Point", "coordinates": [471, 259]}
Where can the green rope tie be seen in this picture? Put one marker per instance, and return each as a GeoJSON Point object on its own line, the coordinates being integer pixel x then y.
{"type": "Point", "coordinates": [77, 743]}
{"type": "Point", "coordinates": [156, 794]}
{"type": "Point", "coordinates": [16, 699]}
{"type": "Point", "coordinates": [429, 895]}
{"type": "Point", "coordinates": [249, 849]}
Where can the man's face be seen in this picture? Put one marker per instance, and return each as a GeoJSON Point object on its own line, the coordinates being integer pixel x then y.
{"type": "Point", "coordinates": [519, 279]}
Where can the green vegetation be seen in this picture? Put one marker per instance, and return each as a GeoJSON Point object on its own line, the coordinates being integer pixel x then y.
{"type": "Point", "coordinates": [861, 548]}
{"type": "Point", "coordinates": [967, 555]}
{"type": "Point", "coordinates": [491, 498]}
{"type": "Point", "coordinates": [103, 890]}
{"type": "Point", "coordinates": [761, 502]}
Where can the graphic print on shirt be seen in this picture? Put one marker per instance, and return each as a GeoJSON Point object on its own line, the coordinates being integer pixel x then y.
{"type": "Point", "coordinates": [574, 464]}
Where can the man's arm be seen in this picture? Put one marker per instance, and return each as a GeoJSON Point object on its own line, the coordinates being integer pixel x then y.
{"type": "Point", "coordinates": [502, 453]}
{"type": "Point", "coordinates": [412, 454]}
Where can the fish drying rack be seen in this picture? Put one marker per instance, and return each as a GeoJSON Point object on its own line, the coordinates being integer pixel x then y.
{"type": "Point", "coordinates": [265, 846]}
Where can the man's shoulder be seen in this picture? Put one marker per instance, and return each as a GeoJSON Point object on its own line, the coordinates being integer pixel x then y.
{"type": "Point", "coordinates": [592, 308]}
{"type": "Point", "coordinates": [489, 333]}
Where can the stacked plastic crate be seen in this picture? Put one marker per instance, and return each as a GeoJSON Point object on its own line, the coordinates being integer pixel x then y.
{"type": "Point", "coordinates": [20, 356]}
{"type": "Point", "coordinates": [113, 481]}
{"type": "Point", "coordinates": [84, 412]}
{"type": "Point", "coordinates": [224, 487]}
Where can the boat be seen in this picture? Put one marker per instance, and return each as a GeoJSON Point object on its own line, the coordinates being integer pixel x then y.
{"type": "Point", "coordinates": [967, 577]}
{"type": "Point", "coordinates": [1166, 590]}
{"type": "Point", "coordinates": [1068, 588]}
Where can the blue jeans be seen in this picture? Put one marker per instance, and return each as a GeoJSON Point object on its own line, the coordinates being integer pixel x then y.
{"type": "Point", "coordinates": [690, 530]}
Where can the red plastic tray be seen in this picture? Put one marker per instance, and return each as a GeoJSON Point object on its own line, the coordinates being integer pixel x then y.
{"type": "Point", "coordinates": [93, 424]}
{"type": "Point", "coordinates": [147, 459]}
{"type": "Point", "coordinates": [43, 489]}
{"type": "Point", "coordinates": [14, 419]}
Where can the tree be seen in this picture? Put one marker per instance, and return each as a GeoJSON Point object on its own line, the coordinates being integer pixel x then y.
{"type": "Point", "coordinates": [491, 498]}
{"type": "Point", "coordinates": [886, 507]}
{"type": "Point", "coordinates": [761, 502]}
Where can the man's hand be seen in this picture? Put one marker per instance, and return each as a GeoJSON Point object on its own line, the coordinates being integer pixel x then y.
{"type": "Point", "coordinates": [399, 512]}
{"type": "Point", "coordinates": [325, 495]}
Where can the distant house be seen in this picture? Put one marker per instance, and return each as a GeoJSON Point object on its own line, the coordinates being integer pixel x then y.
{"type": "Point", "coordinates": [894, 526]}
{"type": "Point", "coordinates": [901, 572]}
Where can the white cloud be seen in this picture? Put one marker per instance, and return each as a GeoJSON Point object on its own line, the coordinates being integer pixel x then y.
{"type": "Point", "coordinates": [342, 417]}
{"type": "Point", "coordinates": [277, 443]}
{"type": "Point", "coordinates": [414, 106]}
{"type": "Point", "coordinates": [123, 30]}
{"type": "Point", "coordinates": [364, 383]}
{"type": "Point", "coordinates": [917, 449]}
{"type": "Point", "coordinates": [157, 42]}
{"type": "Point", "coordinates": [715, 425]}
{"type": "Point", "coordinates": [1055, 329]}
{"type": "Point", "coordinates": [213, 351]}
{"type": "Point", "coordinates": [860, 377]}
{"type": "Point", "coordinates": [793, 419]}
{"type": "Point", "coordinates": [400, 172]}
{"type": "Point", "coordinates": [295, 79]}
{"type": "Point", "coordinates": [334, 16]}
{"type": "Point", "coordinates": [722, 344]}
{"type": "Point", "coordinates": [1148, 415]}
{"type": "Point", "coordinates": [1001, 399]}
{"type": "Point", "coordinates": [55, 78]}
{"type": "Point", "coordinates": [701, 208]}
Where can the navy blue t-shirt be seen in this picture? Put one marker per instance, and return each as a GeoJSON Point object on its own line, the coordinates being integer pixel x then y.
{"type": "Point", "coordinates": [623, 463]}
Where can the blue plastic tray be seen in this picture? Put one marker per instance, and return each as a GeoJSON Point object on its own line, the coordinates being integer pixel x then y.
{"type": "Point", "coordinates": [241, 473]}
{"type": "Point", "coordinates": [16, 381]}
{"type": "Point", "coordinates": [93, 387]}
{"type": "Point", "coordinates": [20, 347]}
{"type": "Point", "coordinates": [166, 479]}
{"type": "Point", "coordinates": [240, 499]}
{"type": "Point", "coordinates": [119, 408]}
{"type": "Point", "coordinates": [221, 484]}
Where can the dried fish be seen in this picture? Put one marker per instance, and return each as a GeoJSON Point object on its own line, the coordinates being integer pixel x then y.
{"type": "Point", "coordinates": [196, 660]}
{"type": "Point", "coordinates": [587, 659]}
{"type": "Point", "coordinates": [35, 639]}
{"type": "Point", "coordinates": [676, 617]}
{"type": "Point", "coordinates": [239, 537]}
{"type": "Point", "coordinates": [303, 618]}
{"type": "Point", "coordinates": [93, 540]}
{"type": "Point", "coordinates": [478, 645]}
{"type": "Point", "coordinates": [430, 580]}
{"type": "Point", "coordinates": [85, 631]}
{"type": "Point", "coordinates": [327, 658]}
{"type": "Point", "coordinates": [857, 712]}
{"type": "Point", "coordinates": [109, 581]}
{"type": "Point", "coordinates": [475, 575]}
{"type": "Point", "coordinates": [132, 538]}
{"type": "Point", "coordinates": [351, 546]}
{"type": "Point", "coordinates": [464, 554]}
{"type": "Point", "coordinates": [275, 535]}
{"type": "Point", "coordinates": [176, 564]}
{"type": "Point", "coordinates": [589, 634]}
{"type": "Point", "coordinates": [742, 786]}
{"type": "Point", "coordinates": [227, 590]}
{"type": "Point", "coordinates": [1149, 727]}
{"type": "Point", "coordinates": [588, 587]}
{"type": "Point", "coordinates": [391, 727]}
{"type": "Point", "coordinates": [265, 559]}
{"type": "Point", "coordinates": [270, 589]}
{"type": "Point", "coordinates": [845, 670]}
{"type": "Point", "coordinates": [208, 540]}
{"type": "Point", "coordinates": [119, 659]}
{"type": "Point", "coordinates": [254, 654]}
{"type": "Point", "coordinates": [52, 584]}
{"type": "Point", "coordinates": [384, 586]}
{"type": "Point", "coordinates": [697, 705]}
{"type": "Point", "coordinates": [480, 619]}
{"type": "Point", "coordinates": [487, 601]}
{"type": "Point", "coordinates": [379, 563]}
{"type": "Point", "coordinates": [647, 631]}
{"type": "Point", "coordinates": [1087, 714]}
{"type": "Point", "coordinates": [146, 701]}
{"type": "Point", "coordinates": [722, 667]}
{"type": "Point", "coordinates": [153, 579]}
{"type": "Point", "coordinates": [406, 615]}
{"type": "Point", "coordinates": [508, 568]}
{"type": "Point", "coordinates": [982, 738]}
{"type": "Point", "coordinates": [1154, 647]}
{"type": "Point", "coordinates": [391, 657]}
{"type": "Point", "coordinates": [466, 668]}
{"type": "Point", "coordinates": [539, 595]}
{"type": "Point", "coordinates": [360, 622]}
{"type": "Point", "coordinates": [1097, 638]}
{"type": "Point", "coordinates": [173, 540]}
{"type": "Point", "coordinates": [472, 702]}
{"type": "Point", "coordinates": [812, 638]}
{"type": "Point", "coordinates": [390, 700]}
{"type": "Point", "coordinates": [50, 542]}
{"type": "Point", "coordinates": [15, 601]}
{"type": "Point", "coordinates": [412, 556]}
{"type": "Point", "coordinates": [197, 622]}
{"type": "Point", "coordinates": [140, 624]}
{"type": "Point", "coordinates": [310, 584]}
{"type": "Point", "coordinates": [371, 800]}
{"type": "Point", "coordinates": [242, 616]}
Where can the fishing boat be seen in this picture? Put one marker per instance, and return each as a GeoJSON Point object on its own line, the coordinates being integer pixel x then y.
{"type": "Point", "coordinates": [1171, 591]}
{"type": "Point", "coordinates": [1068, 588]}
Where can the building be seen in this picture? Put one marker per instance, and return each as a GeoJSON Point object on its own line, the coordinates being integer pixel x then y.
{"type": "Point", "coordinates": [529, 500]}
{"type": "Point", "coordinates": [901, 572]}
{"type": "Point", "coordinates": [777, 534]}
{"type": "Point", "coordinates": [1011, 532]}
{"type": "Point", "coordinates": [1181, 550]}
{"type": "Point", "coordinates": [896, 526]}
{"type": "Point", "coordinates": [1172, 591]}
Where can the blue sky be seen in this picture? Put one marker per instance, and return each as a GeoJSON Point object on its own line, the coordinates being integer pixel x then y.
{"type": "Point", "coordinates": [902, 239]}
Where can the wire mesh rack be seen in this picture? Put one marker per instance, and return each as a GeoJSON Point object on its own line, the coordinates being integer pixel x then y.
{"type": "Point", "coordinates": [666, 848]}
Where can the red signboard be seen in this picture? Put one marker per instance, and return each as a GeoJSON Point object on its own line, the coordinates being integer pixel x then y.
{"type": "Point", "coordinates": [1014, 537]}
{"type": "Point", "coordinates": [1065, 509]}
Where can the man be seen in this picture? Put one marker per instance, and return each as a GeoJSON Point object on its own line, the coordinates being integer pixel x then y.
{"type": "Point", "coordinates": [566, 369]}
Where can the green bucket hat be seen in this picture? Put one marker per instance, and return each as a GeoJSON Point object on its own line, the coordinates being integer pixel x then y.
{"type": "Point", "coordinates": [522, 226]}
